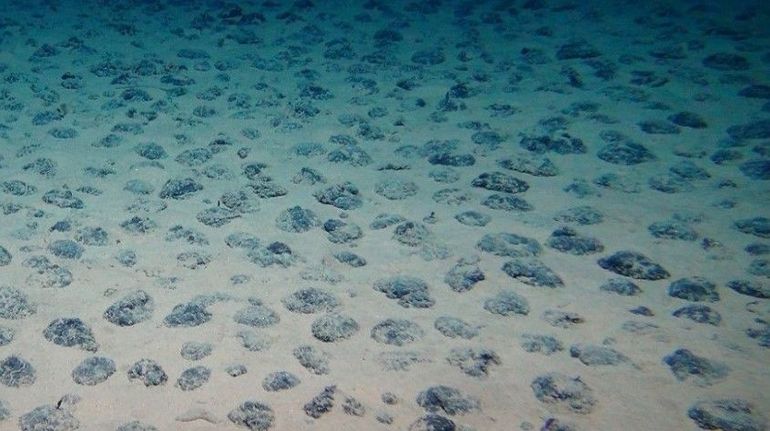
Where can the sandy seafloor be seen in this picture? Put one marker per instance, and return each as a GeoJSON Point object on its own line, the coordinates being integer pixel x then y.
{"type": "Point", "coordinates": [576, 231]}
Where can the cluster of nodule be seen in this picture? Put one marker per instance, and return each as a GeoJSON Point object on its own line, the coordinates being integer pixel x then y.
{"type": "Point", "coordinates": [179, 157]}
